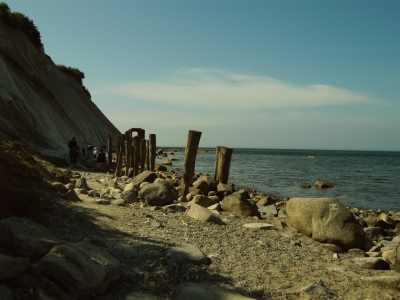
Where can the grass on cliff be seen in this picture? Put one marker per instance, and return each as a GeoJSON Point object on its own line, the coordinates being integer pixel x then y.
{"type": "Point", "coordinates": [19, 21]}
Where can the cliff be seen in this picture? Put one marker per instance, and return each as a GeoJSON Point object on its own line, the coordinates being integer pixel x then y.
{"type": "Point", "coordinates": [41, 105]}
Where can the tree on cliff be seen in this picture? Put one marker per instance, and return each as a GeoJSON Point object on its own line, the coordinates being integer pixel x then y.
{"type": "Point", "coordinates": [19, 21]}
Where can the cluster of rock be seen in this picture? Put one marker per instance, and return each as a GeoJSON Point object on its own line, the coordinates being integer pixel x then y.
{"type": "Point", "coordinates": [325, 220]}
{"type": "Point", "coordinates": [54, 269]}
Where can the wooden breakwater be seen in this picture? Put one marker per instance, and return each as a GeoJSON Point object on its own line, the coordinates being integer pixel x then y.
{"type": "Point", "coordinates": [137, 154]}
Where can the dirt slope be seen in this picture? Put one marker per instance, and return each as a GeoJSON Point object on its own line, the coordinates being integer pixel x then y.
{"type": "Point", "coordinates": [41, 105]}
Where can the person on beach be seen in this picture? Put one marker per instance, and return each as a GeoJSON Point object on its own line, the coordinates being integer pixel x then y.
{"type": "Point", "coordinates": [95, 151]}
{"type": "Point", "coordinates": [83, 151]}
{"type": "Point", "coordinates": [78, 152]}
{"type": "Point", "coordinates": [101, 156]}
{"type": "Point", "coordinates": [72, 151]}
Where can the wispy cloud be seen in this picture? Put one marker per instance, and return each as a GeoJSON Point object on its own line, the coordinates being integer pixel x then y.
{"type": "Point", "coordinates": [220, 90]}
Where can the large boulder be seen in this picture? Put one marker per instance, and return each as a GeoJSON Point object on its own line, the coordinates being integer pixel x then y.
{"type": "Point", "coordinates": [26, 237]}
{"type": "Point", "coordinates": [81, 269]}
{"type": "Point", "coordinates": [11, 267]}
{"type": "Point", "coordinates": [129, 196]}
{"type": "Point", "coordinates": [90, 163]}
{"type": "Point", "coordinates": [238, 202]}
{"type": "Point", "coordinates": [326, 220]}
{"type": "Point", "coordinates": [156, 194]}
{"type": "Point", "coordinates": [205, 184]}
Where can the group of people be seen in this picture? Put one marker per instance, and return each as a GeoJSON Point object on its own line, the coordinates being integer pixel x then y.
{"type": "Point", "coordinates": [75, 152]}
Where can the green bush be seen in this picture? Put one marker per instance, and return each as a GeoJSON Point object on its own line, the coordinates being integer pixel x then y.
{"type": "Point", "coordinates": [74, 72]}
{"type": "Point", "coordinates": [19, 21]}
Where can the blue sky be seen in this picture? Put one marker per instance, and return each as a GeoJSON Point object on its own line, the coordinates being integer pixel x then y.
{"type": "Point", "coordinates": [260, 74]}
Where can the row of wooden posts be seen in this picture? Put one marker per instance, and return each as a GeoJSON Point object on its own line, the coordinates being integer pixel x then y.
{"type": "Point", "coordinates": [140, 154]}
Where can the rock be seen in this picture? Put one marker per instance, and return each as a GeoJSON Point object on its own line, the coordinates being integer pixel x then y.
{"type": "Point", "coordinates": [323, 184]}
{"type": "Point", "coordinates": [160, 168]}
{"type": "Point", "coordinates": [237, 202]}
{"type": "Point", "coordinates": [72, 196]}
{"type": "Point", "coordinates": [390, 255]}
{"type": "Point", "coordinates": [47, 289]}
{"type": "Point", "coordinates": [103, 201]}
{"type": "Point", "coordinates": [94, 194]}
{"type": "Point", "coordinates": [258, 226]}
{"type": "Point", "coordinates": [373, 263]}
{"type": "Point", "coordinates": [99, 242]}
{"type": "Point", "coordinates": [115, 193]}
{"type": "Point", "coordinates": [225, 187]}
{"type": "Point", "coordinates": [100, 167]}
{"type": "Point", "coordinates": [203, 201]}
{"type": "Point", "coordinates": [81, 183]}
{"type": "Point", "coordinates": [69, 186]}
{"type": "Point", "coordinates": [203, 214]}
{"type": "Point", "coordinates": [26, 237]}
{"type": "Point", "coordinates": [58, 186]}
{"type": "Point", "coordinates": [167, 162]}
{"type": "Point", "coordinates": [306, 186]}
{"type": "Point", "coordinates": [5, 293]}
{"type": "Point", "coordinates": [216, 207]}
{"type": "Point", "coordinates": [80, 268]}
{"type": "Point", "coordinates": [90, 163]}
{"type": "Point", "coordinates": [141, 296]}
{"type": "Point", "coordinates": [326, 220]}
{"type": "Point", "coordinates": [205, 184]}
{"type": "Point", "coordinates": [119, 202]}
{"type": "Point", "coordinates": [318, 288]}
{"type": "Point", "coordinates": [145, 176]}
{"type": "Point", "coordinates": [354, 253]}
{"type": "Point", "coordinates": [11, 267]}
{"type": "Point", "coordinates": [270, 209]}
{"type": "Point", "coordinates": [156, 194]}
{"type": "Point", "coordinates": [129, 196]}
{"type": "Point", "coordinates": [266, 201]}
{"type": "Point", "coordinates": [187, 253]}
{"type": "Point", "coordinates": [384, 221]}
{"type": "Point", "coordinates": [195, 291]}
{"type": "Point", "coordinates": [372, 233]}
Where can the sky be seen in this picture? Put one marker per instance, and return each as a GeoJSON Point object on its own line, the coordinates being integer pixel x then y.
{"type": "Point", "coordinates": [300, 74]}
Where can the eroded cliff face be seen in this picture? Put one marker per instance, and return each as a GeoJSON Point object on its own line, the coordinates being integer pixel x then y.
{"type": "Point", "coordinates": [40, 104]}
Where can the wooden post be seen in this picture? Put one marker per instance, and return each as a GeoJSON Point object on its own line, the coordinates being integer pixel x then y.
{"type": "Point", "coordinates": [128, 138]}
{"type": "Point", "coordinates": [152, 152]}
{"type": "Point", "coordinates": [223, 157]}
{"type": "Point", "coordinates": [120, 156]}
{"type": "Point", "coordinates": [142, 154]}
{"type": "Point", "coordinates": [190, 159]}
{"type": "Point", "coordinates": [109, 149]}
{"type": "Point", "coordinates": [118, 146]}
{"type": "Point", "coordinates": [136, 157]}
{"type": "Point", "coordinates": [148, 156]}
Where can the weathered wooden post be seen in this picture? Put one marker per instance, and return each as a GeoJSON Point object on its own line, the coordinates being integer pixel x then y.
{"type": "Point", "coordinates": [148, 156]}
{"type": "Point", "coordinates": [223, 157]}
{"type": "Point", "coordinates": [128, 138]}
{"type": "Point", "coordinates": [109, 155]}
{"type": "Point", "coordinates": [142, 154]}
{"type": "Point", "coordinates": [190, 159]}
{"type": "Point", "coordinates": [120, 156]}
{"type": "Point", "coordinates": [136, 156]}
{"type": "Point", "coordinates": [152, 152]}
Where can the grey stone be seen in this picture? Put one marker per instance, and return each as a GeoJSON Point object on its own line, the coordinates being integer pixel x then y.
{"type": "Point", "coordinates": [203, 214]}
{"type": "Point", "coordinates": [326, 220]}
{"type": "Point", "coordinates": [372, 233]}
{"type": "Point", "coordinates": [195, 291]}
{"type": "Point", "coordinates": [11, 267]}
{"type": "Point", "coordinates": [318, 288]}
{"type": "Point", "coordinates": [203, 200]}
{"type": "Point", "coordinates": [187, 253]}
{"type": "Point", "coordinates": [80, 268]}
{"type": "Point", "coordinates": [258, 226]}
{"type": "Point", "coordinates": [238, 202]}
{"type": "Point", "coordinates": [266, 201]}
{"type": "Point", "coordinates": [156, 194]}
{"type": "Point", "coordinates": [323, 184]}
{"type": "Point", "coordinates": [119, 202]}
{"type": "Point", "coordinates": [373, 263]}
{"type": "Point", "coordinates": [71, 196]}
{"type": "Point", "coordinates": [26, 237]}
{"type": "Point", "coordinates": [129, 196]}
{"type": "Point", "coordinates": [270, 209]}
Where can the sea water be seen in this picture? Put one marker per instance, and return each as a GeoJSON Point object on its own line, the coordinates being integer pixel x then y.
{"type": "Point", "coordinates": [364, 179]}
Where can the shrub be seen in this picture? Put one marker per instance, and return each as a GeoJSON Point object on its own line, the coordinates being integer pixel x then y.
{"type": "Point", "coordinates": [19, 21]}
{"type": "Point", "coordinates": [77, 74]}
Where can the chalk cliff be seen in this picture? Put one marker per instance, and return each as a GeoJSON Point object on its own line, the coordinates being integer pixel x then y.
{"type": "Point", "coordinates": [41, 105]}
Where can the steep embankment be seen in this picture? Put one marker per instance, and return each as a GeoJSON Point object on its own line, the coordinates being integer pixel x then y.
{"type": "Point", "coordinates": [40, 104]}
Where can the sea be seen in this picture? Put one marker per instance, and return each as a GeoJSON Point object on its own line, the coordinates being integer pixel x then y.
{"type": "Point", "coordinates": [363, 179]}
